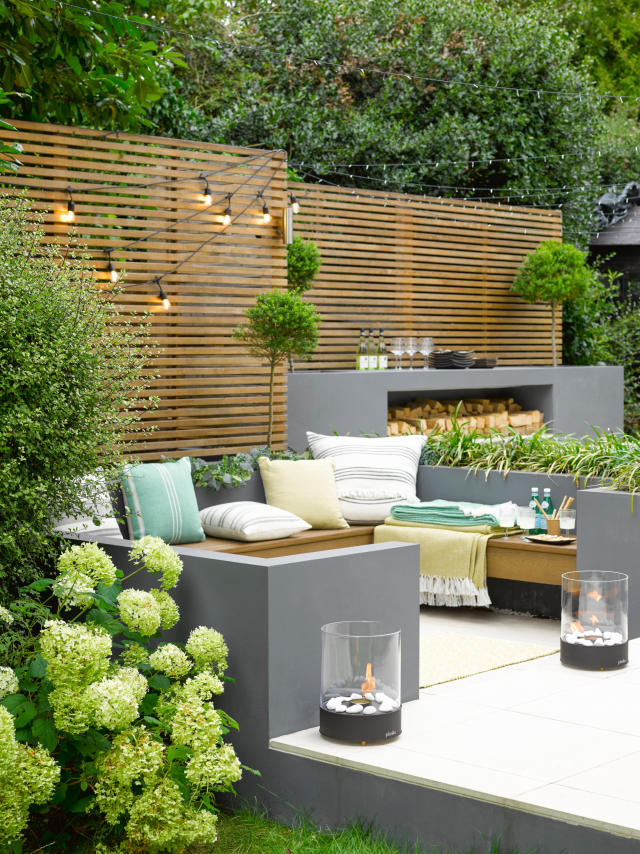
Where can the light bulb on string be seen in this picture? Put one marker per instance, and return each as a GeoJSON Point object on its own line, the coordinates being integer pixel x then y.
{"type": "Point", "coordinates": [166, 302]}
{"type": "Point", "coordinates": [266, 216]}
{"type": "Point", "coordinates": [295, 205]}
{"type": "Point", "coordinates": [206, 193]}
{"type": "Point", "coordinates": [226, 219]}
{"type": "Point", "coordinates": [70, 213]}
{"type": "Point", "coordinates": [113, 273]}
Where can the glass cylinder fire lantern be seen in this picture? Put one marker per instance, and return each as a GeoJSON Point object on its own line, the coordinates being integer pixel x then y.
{"type": "Point", "coordinates": [593, 631]}
{"type": "Point", "coordinates": [360, 688]}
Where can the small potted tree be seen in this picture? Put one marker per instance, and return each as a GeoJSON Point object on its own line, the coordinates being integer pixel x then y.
{"type": "Point", "coordinates": [303, 263]}
{"type": "Point", "coordinates": [553, 273]}
{"type": "Point", "coordinates": [279, 325]}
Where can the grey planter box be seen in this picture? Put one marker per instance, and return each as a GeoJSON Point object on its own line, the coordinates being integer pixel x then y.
{"type": "Point", "coordinates": [462, 484]}
{"type": "Point", "coordinates": [250, 491]}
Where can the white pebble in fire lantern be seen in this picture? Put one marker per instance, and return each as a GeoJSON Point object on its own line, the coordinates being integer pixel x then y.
{"type": "Point", "coordinates": [369, 710]}
{"type": "Point", "coordinates": [353, 710]}
{"type": "Point", "coordinates": [355, 697]}
{"type": "Point", "coordinates": [386, 706]}
{"type": "Point", "coordinates": [368, 696]}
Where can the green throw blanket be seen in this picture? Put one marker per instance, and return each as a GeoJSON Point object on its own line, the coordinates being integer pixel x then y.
{"type": "Point", "coordinates": [461, 514]}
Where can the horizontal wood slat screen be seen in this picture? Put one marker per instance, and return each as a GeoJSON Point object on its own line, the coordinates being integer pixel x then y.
{"type": "Point", "coordinates": [213, 397]}
{"type": "Point", "coordinates": [427, 267]}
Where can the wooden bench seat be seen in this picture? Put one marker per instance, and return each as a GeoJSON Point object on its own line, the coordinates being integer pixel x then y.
{"type": "Point", "coordinates": [514, 559]}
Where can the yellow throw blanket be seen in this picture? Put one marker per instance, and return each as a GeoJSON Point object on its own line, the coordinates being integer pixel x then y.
{"type": "Point", "coordinates": [453, 563]}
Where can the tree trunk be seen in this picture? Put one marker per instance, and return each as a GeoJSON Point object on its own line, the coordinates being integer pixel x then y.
{"type": "Point", "coordinates": [270, 427]}
{"type": "Point", "coordinates": [553, 332]}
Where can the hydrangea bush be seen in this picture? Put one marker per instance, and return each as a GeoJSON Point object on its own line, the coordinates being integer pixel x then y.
{"type": "Point", "coordinates": [105, 736]}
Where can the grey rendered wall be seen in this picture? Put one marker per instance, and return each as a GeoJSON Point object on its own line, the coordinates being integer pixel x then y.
{"type": "Point", "coordinates": [610, 540]}
{"type": "Point", "coordinates": [355, 402]}
{"type": "Point", "coordinates": [271, 611]}
{"type": "Point", "coordinates": [250, 491]}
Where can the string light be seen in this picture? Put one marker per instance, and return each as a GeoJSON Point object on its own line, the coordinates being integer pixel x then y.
{"type": "Point", "coordinates": [295, 205]}
{"type": "Point", "coordinates": [206, 195]}
{"type": "Point", "coordinates": [113, 273]}
{"type": "Point", "coordinates": [266, 216]}
{"type": "Point", "coordinates": [70, 214]}
{"type": "Point", "coordinates": [226, 219]}
{"type": "Point", "coordinates": [166, 302]}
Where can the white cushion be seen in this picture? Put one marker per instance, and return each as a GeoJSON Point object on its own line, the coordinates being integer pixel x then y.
{"type": "Point", "coordinates": [250, 521]}
{"type": "Point", "coordinates": [371, 474]}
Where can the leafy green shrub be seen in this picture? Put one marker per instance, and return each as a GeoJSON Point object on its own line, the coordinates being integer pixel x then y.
{"type": "Point", "coordinates": [237, 470]}
{"type": "Point", "coordinates": [553, 273]}
{"type": "Point", "coordinates": [303, 263]}
{"type": "Point", "coordinates": [123, 746]}
{"type": "Point", "coordinates": [279, 325]}
{"type": "Point", "coordinates": [71, 387]}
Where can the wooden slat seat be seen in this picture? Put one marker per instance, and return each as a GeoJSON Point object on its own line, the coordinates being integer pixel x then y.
{"type": "Point", "coordinates": [514, 559]}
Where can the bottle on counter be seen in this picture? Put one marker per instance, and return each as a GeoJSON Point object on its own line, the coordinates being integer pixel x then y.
{"type": "Point", "coordinates": [362, 353]}
{"type": "Point", "coordinates": [547, 505]}
{"type": "Point", "coordinates": [383, 361]}
{"type": "Point", "coordinates": [537, 529]}
{"type": "Point", "coordinates": [372, 351]}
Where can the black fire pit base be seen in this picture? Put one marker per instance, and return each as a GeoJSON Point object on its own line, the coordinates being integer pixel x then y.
{"type": "Point", "coordinates": [594, 657]}
{"type": "Point", "coordinates": [360, 728]}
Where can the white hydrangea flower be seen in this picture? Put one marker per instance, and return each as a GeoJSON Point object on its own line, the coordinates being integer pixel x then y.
{"type": "Point", "coordinates": [214, 768]}
{"type": "Point", "coordinates": [70, 710]}
{"type": "Point", "coordinates": [74, 590]}
{"type": "Point", "coordinates": [76, 654]}
{"type": "Point", "coordinates": [134, 679]}
{"type": "Point", "coordinates": [6, 616]}
{"type": "Point", "coordinates": [8, 682]}
{"type": "Point", "coordinates": [134, 655]}
{"type": "Point", "coordinates": [112, 703]}
{"type": "Point", "coordinates": [203, 685]}
{"type": "Point", "coordinates": [156, 556]}
{"type": "Point", "coordinates": [207, 648]}
{"type": "Point", "coordinates": [160, 820]}
{"type": "Point", "coordinates": [139, 611]}
{"type": "Point", "coordinates": [171, 660]}
{"type": "Point", "coordinates": [169, 613]}
{"type": "Point", "coordinates": [195, 724]}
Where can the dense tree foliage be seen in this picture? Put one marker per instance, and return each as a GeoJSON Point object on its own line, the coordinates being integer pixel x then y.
{"type": "Point", "coordinates": [63, 64]}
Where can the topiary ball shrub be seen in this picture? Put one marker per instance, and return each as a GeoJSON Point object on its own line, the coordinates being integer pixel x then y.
{"type": "Point", "coordinates": [303, 263]}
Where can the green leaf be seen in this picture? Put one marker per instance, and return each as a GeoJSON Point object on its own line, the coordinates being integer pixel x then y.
{"type": "Point", "coordinates": [13, 702]}
{"type": "Point", "coordinates": [159, 682]}
{"type": "Point", "coordinates": [178, 751]}
{"type": "Point", "coordinates": [40, 584]}
{"type": "Point", "coordinates": [83, 804]}
{"type": "Point", "coordinates": [38, 667]}
{"type": "Point", "coordinates": [24, 714]}
{"type": "Point", "coordinates": [151, 720]}
{"type": "Point", "coordinates": [44, 730]}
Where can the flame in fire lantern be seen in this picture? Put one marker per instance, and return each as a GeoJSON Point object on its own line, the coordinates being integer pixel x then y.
{"type": "Point", "coordinates": [576, 627]}
{"type": "Point", "coordinates": [595, 595]}
{"type": "Point", "coordinates": [369, 683]}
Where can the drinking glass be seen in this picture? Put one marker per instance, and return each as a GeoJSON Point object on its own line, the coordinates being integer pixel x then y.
{"type": "Point", "coordinates": [425, 346]}
{"type": "Point", "coordinates": [410, 348]}
{"type": "Point", "coordinates": [568, 521]}
{"type": "Point", "coordinates": [507, 518]}
{"type": "Point", "coordinates": [526, 517]}
{"type": "Point", "coordinates": [397, 348]}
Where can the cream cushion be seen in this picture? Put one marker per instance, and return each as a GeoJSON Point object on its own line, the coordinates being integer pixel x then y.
{"type": "Point", "coordinates": [304, 487]}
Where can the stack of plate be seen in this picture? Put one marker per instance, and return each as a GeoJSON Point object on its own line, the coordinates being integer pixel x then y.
{"type": "Point", "coordinates": [452, 359]}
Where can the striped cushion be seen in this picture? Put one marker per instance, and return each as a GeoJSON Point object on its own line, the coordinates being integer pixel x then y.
{"type": "Point", "coordinates": [371, 474]}
{"type": "Point", "coordinates": [161, 501]}
{"type": "Point", "coordinates": [250, 521]}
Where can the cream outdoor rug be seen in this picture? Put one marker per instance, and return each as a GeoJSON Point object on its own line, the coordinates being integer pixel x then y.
{"type": "Point", "coordinates": [444, 658]}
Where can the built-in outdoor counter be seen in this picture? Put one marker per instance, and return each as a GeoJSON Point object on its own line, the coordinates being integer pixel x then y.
{"type": "Point", "coordinates": [573, 399]}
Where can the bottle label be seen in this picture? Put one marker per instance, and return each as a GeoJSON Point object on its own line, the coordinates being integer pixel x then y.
{"type": "Point", "coordinates": [364, 363]}
{"type": "Point", "coordinates": [382, 363]}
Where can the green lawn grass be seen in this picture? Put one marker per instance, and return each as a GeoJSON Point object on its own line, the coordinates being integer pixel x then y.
{"type": "Point", "coordinates": [249, 833]}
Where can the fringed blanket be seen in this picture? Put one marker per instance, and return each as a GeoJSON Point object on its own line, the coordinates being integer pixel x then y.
{"type": "Point", "coordinates": [453, 563]}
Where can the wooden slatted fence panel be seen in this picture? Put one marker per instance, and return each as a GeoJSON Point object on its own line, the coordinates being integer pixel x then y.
{"type": "Point", "coordinates": [212, 396]}
{"type": "Point", "coordinates": [425, 267]}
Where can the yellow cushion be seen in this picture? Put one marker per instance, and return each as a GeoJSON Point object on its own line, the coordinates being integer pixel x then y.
{"type": "Point", "coordinates": [304, 487]}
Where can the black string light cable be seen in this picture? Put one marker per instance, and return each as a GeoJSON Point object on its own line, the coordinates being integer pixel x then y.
{"type": "Point", "coordinates": [225, 220]}
{"type": "Point", "coordinates": [322, 62]}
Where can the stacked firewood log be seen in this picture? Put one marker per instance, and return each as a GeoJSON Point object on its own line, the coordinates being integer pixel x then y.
{"type": "Point", "coordinates": [473, 413]}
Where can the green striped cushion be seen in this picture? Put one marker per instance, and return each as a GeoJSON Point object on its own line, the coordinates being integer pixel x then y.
{"type": "Point", "coordinates": [161, 501]}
